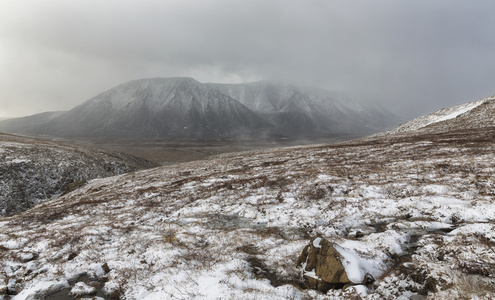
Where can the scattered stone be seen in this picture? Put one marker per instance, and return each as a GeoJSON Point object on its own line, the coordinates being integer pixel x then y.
{"type": "Point", "coordinates": [42, 290]}
{"type": "Point", "coordinates": [27, 257]}
{"type": "Point", "coordinates": [13, 287]}
{"type": "Point", "coordinates": [111, 290]}
{"type": "Point", "coordinates": [105, 268]}
{"type": "Point", "coordinates": [72, 256]}
{"type": "Point", "coordinates": [82, 289]}
{"type": "Point", "coordinates": [98, 273]}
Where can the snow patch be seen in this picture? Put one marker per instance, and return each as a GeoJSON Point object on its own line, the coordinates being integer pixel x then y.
{"type": "Point", "coordinates": [316, 243]}
{"type": "Point", "coordinates": [40, 289]}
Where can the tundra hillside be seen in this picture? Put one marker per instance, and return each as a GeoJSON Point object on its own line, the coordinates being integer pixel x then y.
{"type": "Point", "coordinates": [33, 170]}
{"type": "Point", "coordinates": [419, 209]}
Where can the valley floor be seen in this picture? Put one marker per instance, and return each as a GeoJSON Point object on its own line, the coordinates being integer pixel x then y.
{"type": "Point", "coordinates": [418, 210]}
{"type": "Point", "coordinates": [167, 152]}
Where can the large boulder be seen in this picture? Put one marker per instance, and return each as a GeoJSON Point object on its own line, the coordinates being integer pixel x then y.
{"type": "Point", "coordinates": [324, 268]}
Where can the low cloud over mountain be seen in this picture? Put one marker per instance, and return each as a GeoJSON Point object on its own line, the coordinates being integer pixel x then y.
{"type": "Point", "coordinates": [185, 108]}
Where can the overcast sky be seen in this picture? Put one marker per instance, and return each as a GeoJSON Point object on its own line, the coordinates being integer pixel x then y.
{"type": "Point", "coordinates": [411, 56]}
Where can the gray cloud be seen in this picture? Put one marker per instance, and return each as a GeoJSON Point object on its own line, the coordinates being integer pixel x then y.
{"type": "Point", "coordinates": [411, 56]}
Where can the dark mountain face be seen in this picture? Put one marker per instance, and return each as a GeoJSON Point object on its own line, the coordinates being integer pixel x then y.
{"type": "Point", "coordinates": [183, 108]}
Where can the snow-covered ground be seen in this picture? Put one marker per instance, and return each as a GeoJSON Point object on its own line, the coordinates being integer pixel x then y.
{"type": "Point", "coordinates": [417, 212]}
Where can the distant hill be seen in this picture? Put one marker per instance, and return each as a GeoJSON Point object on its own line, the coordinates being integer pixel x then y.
{"type": "Point", "coordinates": [183, 108]}
{"type": "Point", "coordinates": [32, 171]}
{"type": "Point", "coordinates": [471, 115]}
{"type": "Point", "coordinates": [25, 124]}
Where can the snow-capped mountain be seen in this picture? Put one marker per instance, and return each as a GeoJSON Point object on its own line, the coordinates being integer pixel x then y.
{"type": "Point", "coordinates": [309, 111]}
{"type": "Point", "coordinates": [185, 108]}
{"type": "Point", "coordinates": [476, 114]}
{"type": "Point", "coordinates": [157, 108]}
{"type": "Point", "coordinates": [32, 171]}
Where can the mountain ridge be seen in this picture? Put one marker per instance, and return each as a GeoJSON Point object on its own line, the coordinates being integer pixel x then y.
{"type": "Point", "coordinates": [182, 107]}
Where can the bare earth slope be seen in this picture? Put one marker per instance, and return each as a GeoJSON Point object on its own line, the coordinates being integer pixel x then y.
{"type": "Point", "coordinates": [33, 170]}
{"type": "Point", "coordinates": [416, 212]}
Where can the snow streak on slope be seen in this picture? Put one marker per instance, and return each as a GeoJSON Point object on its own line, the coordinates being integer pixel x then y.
{"type": "Point", "coordinates": [420, 210]}
{"type": "Point", "coordinates": [444, 114]}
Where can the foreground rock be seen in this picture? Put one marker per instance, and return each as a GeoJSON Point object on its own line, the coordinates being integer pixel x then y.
{"type": "Point", "coordinates": [324, 267]}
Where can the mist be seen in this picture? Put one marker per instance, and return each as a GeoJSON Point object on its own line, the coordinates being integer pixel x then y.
{"type": "Point", "coordinates": [410, 57]}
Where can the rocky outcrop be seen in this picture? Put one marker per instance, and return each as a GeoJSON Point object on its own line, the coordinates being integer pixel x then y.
{"type": "Point", "coordinates": [323, 267]}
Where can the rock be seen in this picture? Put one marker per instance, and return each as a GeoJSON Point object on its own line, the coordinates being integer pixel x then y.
{"type": "Point", "coordinates": [72, 255]}
{"type": "Point", "coordinates": [13, 287]}
{"type": "Point", "coordinates": [82, 289]}
{"type": "Point", "coordinates": [111, 290]}
{"type": "Point", "coordinates": [99, 272]}
{"type": "Point", "coordinates": [322, 266]}
{"type": "Point", "coordinates": [105, 268]}
{"type": "Point", "coordinates": [27, 257]}
{"type": "Point", "coordinates": [43, 290]}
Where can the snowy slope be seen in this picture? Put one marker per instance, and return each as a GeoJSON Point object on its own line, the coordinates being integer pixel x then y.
{"type": "Point", "coordinates": [158, 108]}
{"type": "Point", "coordinates": [32, 171]}
{"type": "Point", "coordinates": [18, 125]}
{"type": "Point", "coordinates": [417, 212]}
{"type": "Point", "coordinates": [446, 118]}
{"type": "Point", "coordinates": [317, 110]}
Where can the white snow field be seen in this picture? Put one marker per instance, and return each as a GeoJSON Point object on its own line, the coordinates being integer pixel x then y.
{"type": "Point", "coordinates": [415, 211]}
